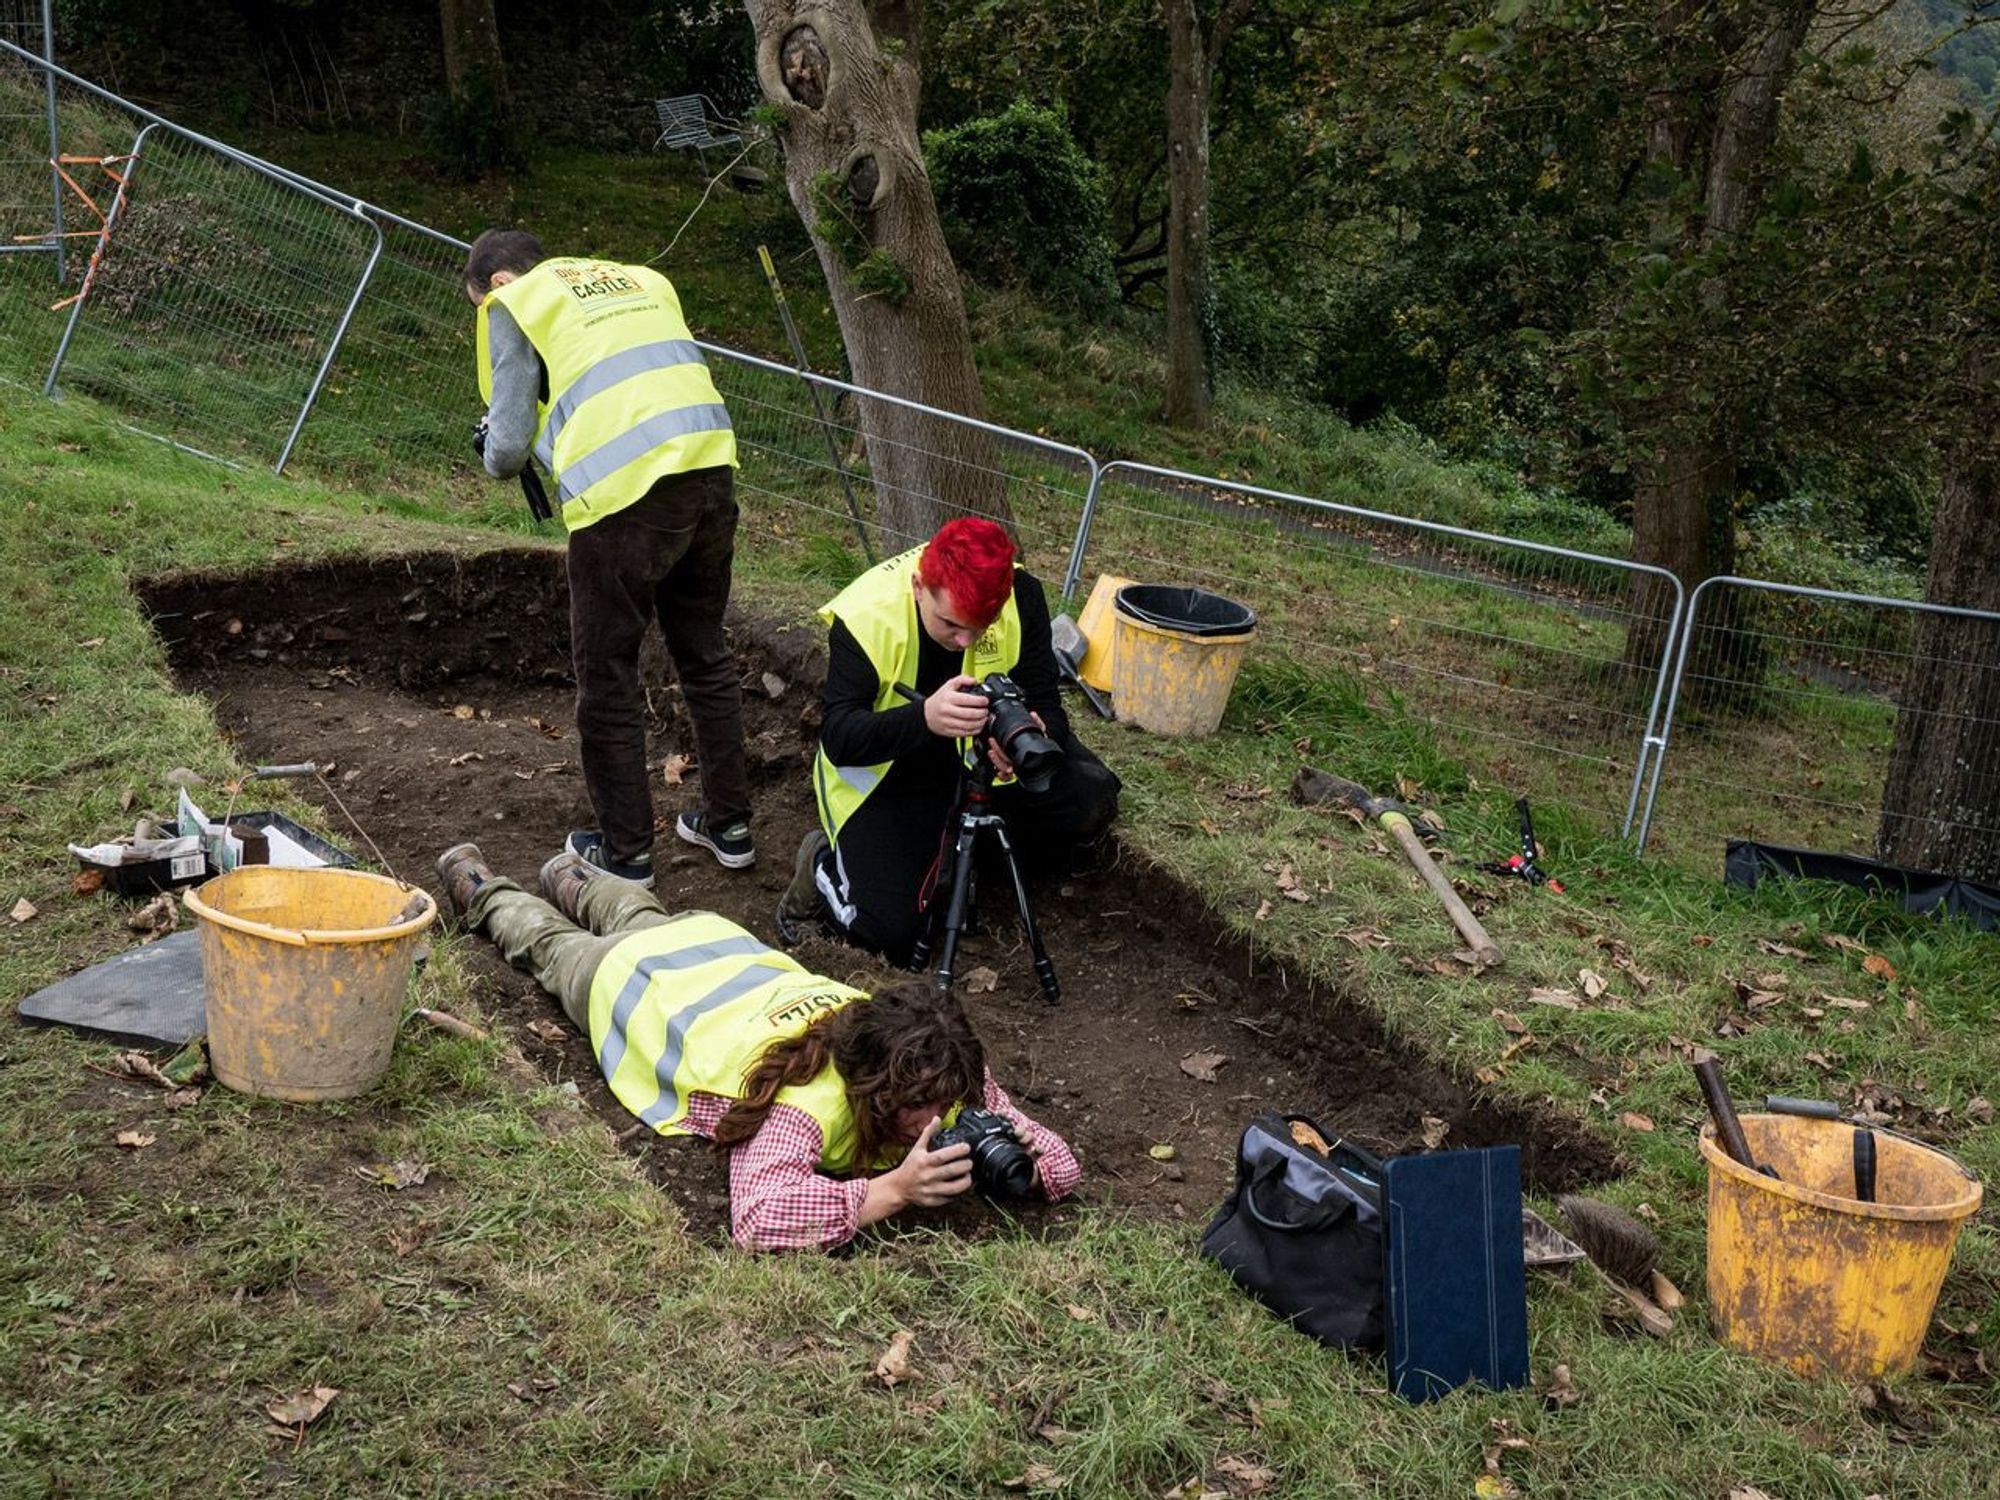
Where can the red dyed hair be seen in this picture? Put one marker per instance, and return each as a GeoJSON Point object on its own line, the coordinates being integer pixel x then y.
{"type": "Point", "coordinates": [971, 560]}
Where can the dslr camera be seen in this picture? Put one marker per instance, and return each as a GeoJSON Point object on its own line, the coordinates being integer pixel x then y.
{"type": "Point", "coordinates": [1012, 726]}
{"type": "Point", "coordinates": [1001, 1165]}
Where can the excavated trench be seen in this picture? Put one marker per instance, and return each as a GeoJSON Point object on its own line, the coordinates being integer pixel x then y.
{"type": "Point", "coordinates": [436, 689]}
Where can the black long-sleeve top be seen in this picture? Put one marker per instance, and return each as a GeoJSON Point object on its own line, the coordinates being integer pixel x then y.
{"type": "Point", "coordinates": [854, 734]}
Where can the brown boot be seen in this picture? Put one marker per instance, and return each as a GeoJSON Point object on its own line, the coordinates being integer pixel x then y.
{"type": "Point", "coordinates": [563, 880]}
{"type": "Point", "coordinates": [462, 870]}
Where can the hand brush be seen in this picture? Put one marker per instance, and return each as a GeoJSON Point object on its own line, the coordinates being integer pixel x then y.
{"type": "Point", "coordinates": [1626, 1254]}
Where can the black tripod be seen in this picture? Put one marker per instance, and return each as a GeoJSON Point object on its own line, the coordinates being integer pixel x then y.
{"type": "Point", "coordinates": [971, 812]}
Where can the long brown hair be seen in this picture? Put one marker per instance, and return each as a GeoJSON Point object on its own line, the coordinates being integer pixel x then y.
{"type": "Point", "coordinates": [902, 1047]}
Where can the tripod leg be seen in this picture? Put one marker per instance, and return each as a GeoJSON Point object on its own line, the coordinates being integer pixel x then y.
{"type": "Point", "coordinates": [1044, 970]}
{"type": "Point", "coordinates": [954, 914]}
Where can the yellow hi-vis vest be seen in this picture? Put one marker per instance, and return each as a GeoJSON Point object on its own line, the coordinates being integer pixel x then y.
{"type": "Point", "coordinates": [629, 398]}
{"type": "Point", "coordinates": [689, 1004]}
{"type": "Point", "coordinates": [880, 612]}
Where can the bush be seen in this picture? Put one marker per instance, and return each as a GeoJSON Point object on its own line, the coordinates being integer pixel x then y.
{"type": "Point", "coordinates": [472, 132]}
{"type": "Point", "coordinates": [1020, 202]}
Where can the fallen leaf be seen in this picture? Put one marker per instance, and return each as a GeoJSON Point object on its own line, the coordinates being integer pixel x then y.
{"type": "Point", "coordinates": [552, 731]}
{"type": "Point", "coordinates": [1434, 1131]}
{"type": "Point", "coordinates": [1594, 983]}
{"type": "Point", "coordinates": [465, 711]}
{"type": "Point", "coordinates": [1782, 950]}
{"type": "Point", "coordinates": [157, 917]}
{"type": "Point", "coordinates": [1747, 1492]}
{"type": "Point", "coordinates": [1212, 828]}
{"type": "Point", "coordinates": [26, 910]}
{"type": "Point", "coordinates": [1487, 1075]}
{"type": "Point", "coordinates": [303, 1408]}
{"type": "Point", "coordinates": [1363, 937]}
{"type": "Point", "coordinates": [397, 1174]}
{"type": "Point", "coordinates": [470, 755]}
{"type": "Point", "coordinates": [127, 797]}
{"type": "Point", "coordinates": [1821, 1061]}
{"type": "Point", "coordinates": [1161, 1152]}
{"type": "Point", "coordinates": [1631, 1119]}
{"type": "Point", "coordinates": [894, 1365]}
{"type": "Point", "coordinates": [86, 882]}
{"type": "Point", "coordinates": [1263, 913]}
{"type": "Point", "coordinates": [1567, 999]}
{"type": "Point", "coordinates": [1842, 942]}
{"type": "Point", "coordinates": [1201, 1066]}
{"type": "Point", "coordinates": [1494, 1487]}
{"type": "Point", "coordinates": [1562, 1392]}
{"type": "Point", "coordinates": [1773, 980]}
{"type": "Point", "coordinates": [1035, 1477]}
{"type": "Point", "coordinates": [1245, 1477]}
{"type": "Point", "coordinates": [1844, 1002]}
{"type": "Point", "coordinates": [1979, 1109]}
{"type": "Point", "coordinates": [982, 981]}
{"type": "Point", "coordinates": [1519, 1045]}
{"type": "Point", "coordinates": [546, 1031]}
{"type": "Point", "coordinates": [1879, 966]}
{"type": "Point", "coordinates": [1511, 1023]}
{"type": "Point", "coordinates": [136, 1140]}
{"type": "Point", "coordinates": [674, 768]}
{"type": "Point", "coordinates": [1702, 940]}
{"type": "Point", "coordinates": [1080, 1313]}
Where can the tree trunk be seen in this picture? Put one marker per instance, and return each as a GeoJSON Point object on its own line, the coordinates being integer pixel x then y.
{"type": "Point", "coordinates": [472, 49]}
{"type": "Point", "coordinates": [1941, 803]}
{"type": "Point", "coordinates": [1190, 387]}
{"type": "Point", "coordinates": [1681, 517]}
{"type": "Point", "coordinates": [855, 170]}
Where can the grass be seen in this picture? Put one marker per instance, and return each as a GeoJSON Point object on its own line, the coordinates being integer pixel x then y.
{"type": "Point", "coordinates": [535, 1319]}
{"type": "Point", "coordinates": [152, 1301]}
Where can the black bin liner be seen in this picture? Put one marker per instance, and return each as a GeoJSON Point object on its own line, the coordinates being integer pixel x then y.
{"type": "Point", "coordinates": [1188, 611]}
{"type": "Point", "coordinates": [1924, 891]}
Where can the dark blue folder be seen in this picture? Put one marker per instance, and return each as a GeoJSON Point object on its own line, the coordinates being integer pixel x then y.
{"type": "Point", "coordinates": [1457, 1285]}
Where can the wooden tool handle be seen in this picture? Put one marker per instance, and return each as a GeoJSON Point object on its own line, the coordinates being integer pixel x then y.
{"type": "Point", "coordinates": [1483, 947]}
{"type": "Point", "coordinates": [1651, 1317]}
{"type": "Point", "coordinates": [1728, 1130]}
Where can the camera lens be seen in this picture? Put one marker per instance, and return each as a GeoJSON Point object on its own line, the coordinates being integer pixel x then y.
{"type": "Point", "coordinates": [1002, 1168]}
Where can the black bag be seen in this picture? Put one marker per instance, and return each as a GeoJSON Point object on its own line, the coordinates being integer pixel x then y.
{"type": "Point", "coordinates": [1302, 1233]}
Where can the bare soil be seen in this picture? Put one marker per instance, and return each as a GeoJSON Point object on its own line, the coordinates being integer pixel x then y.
{"type": "Point", "coordinates": [436, 691]}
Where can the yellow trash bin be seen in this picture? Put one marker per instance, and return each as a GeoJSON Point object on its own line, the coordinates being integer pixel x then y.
{"type": "Point", "coordinates": [1099, 625]}
{"type": "Point", "coordinates": [306, 973]}
{"type": "Point", "coordinates": [1802, 1273]}
{"type": "Point", "coordinates": [1176, 659]}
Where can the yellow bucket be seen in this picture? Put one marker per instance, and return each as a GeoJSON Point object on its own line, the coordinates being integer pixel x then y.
{"type": "Point", "coordinates": [1177, 654]}
{"type": "Point", "coordinates": [306, 972]}
{"type": "Point", "coordinates": [1803, 1273]}
{"type": "Point", "coordinates": [1100, 631]}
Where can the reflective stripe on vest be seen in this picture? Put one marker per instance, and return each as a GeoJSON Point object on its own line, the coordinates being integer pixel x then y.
{"type": "Point", "coordinates": [688, 1005]}
{"type": "Point", "coordinates": [880, 612]}
{"type": "Point", "coordinates": [630, 400]}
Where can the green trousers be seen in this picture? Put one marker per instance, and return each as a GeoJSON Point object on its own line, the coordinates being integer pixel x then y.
{"type": "Point", "coordinates": [563, 957]}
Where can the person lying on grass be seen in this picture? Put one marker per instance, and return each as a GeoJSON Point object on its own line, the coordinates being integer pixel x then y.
{"type": "Point", "coordinates": [822, 1097]}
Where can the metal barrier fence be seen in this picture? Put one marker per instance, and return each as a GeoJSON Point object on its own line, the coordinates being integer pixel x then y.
{"type": "Point", "coordinates": [1824, 720]}
{"type": "Point", "coordinates": [1549, 663]}
{"type": "Point", "coordinates": [31, 191]}
{"type": "Point", "coordinates": [322, 328]}
{"type": "Point", "coordinates": [818, 452]}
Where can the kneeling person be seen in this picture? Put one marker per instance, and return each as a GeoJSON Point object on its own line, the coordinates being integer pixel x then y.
{"type": "Point", "coordinates": [824, 1098]}
{"type": "Point", "coordinates": [908, 643]}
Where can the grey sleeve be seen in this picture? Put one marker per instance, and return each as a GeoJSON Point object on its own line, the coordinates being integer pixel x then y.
{"type": "Point", "coordinates": [512, 418]}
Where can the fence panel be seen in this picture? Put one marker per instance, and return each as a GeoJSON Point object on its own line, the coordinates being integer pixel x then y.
{"type": "Point", "coordinates": [31, 208]}
{"type": "Point", "coordinates": [213, 292]}
{"type": "Point", "coordinates": [830, 469]}
{"type": "Point", "coordinates": [1800, 716]}
{"type": "Point", "coordinates": [1540, 667]}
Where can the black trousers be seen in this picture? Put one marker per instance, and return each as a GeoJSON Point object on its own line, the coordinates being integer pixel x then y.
{"type": "Point", "coordinates": [667, 557]}
{"type": "Point", "coordinates": [878, 882]}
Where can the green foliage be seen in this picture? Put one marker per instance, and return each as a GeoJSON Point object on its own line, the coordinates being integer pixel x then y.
{"type": "Point", "coordinates": [872, 270]}
{"type": "Point", "coordinates": [472, 132]}
{"type": "Point", "coordinates": [1022, 202]}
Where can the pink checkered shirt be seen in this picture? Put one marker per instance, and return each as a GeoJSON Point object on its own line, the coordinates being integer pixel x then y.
{"type": "Point", "coordinates": [780, 1200]}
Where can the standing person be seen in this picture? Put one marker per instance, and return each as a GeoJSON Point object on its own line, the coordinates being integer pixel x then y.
{"type": "Point", "coordinates": [823, 1098]}
{"type": "Point", "coordinates": [932, 622]}
{"type": "Point", "coordinates": [589, 366]}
